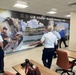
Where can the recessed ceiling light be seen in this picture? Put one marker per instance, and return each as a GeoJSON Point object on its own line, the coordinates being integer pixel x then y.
{"type": "Point", "coordinates": [52, 12]}
{"type": "Point", "coordinates": [54, 9]}
{"type": "Point", "coordinates": [68, 16]}
{"type": "Point", "coordinates": [20, 5]}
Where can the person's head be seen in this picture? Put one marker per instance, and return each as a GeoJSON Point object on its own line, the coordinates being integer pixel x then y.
{"type": "Point", "coordinates": [4, 29]}
{"type": "Point", "coordinates": [8, 17]}
{"type": "Point", "coordinates": [62, 28]}
{"type": "Point", "coordinates": [55, 28]}
{"type": "Point", "coordinates": [50, 28]}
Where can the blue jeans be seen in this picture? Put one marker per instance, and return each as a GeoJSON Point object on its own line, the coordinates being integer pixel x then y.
{"type": "Point", "coordinates": [47, 56]}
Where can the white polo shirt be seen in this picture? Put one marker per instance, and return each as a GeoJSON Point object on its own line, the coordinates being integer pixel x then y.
{"type": "Point", "coordinates": [49, 40]}
{"type": "Point", "coordinates": [1, 40]}
{"type": "Point", "coordinates": [57, 34]}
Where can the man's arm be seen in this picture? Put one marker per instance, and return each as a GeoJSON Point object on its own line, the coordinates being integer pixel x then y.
{"type": "Point", "coordinates": [35, 43]}
{"type": "Point", "coordinates": [38, 42]}
{"type": "Point", "coordinates": [1, 42]}
{"type": "Point", "coordinates": [56, 42]}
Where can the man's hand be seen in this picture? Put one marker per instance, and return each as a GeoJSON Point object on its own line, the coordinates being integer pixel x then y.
{"type": "Point", "coordinates": [35, 43]}
{"type": "Point", "coordinates": [32, 44]}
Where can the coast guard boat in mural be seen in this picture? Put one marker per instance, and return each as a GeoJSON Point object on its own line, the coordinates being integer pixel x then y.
{"type": "Point", "coordinates": [20, 34]}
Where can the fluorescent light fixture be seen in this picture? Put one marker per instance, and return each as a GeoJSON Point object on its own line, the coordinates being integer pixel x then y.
{"type": "Point", "coordinates": [68, 16]}
{"type": "Point", "coordinates": [20, 5]}
{"type": "Point", "coordinates": [54, 9]}
{"type": "Point", "coordinates": [52, 12]}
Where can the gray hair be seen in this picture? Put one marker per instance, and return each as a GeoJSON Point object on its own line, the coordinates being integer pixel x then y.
{"type": "Point", "coordinates": [50, 28]}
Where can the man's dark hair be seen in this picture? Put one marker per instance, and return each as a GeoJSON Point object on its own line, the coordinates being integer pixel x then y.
{"type": "Point", "coordinates": [4, 28]}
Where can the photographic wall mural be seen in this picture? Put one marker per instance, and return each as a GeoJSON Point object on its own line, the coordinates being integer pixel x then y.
{"type": "Point", "coordinates": [18, 29]}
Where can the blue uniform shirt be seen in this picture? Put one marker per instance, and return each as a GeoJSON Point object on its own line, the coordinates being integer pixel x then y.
{"type": "Point", "coordinates": [62, 33]}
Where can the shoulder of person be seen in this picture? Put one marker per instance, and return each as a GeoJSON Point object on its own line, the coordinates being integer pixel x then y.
{"type": "Point", "coordinates": [0, 36]}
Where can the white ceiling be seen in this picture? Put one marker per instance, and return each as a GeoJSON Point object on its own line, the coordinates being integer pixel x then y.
{"type": "Point", "coordinates": [42, 6]}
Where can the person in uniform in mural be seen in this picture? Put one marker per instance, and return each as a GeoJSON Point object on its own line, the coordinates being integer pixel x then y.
{"type": "Point", "coordinates": [16, 40]}
{"type": "Point", "coordinates": [19, 37]}
{"type": "Point", "coordinates": [49, 40]}
{"type": "Point", "coordinates": [4, 36]}
{"type": "Point", "coordinates": [10, 43]}
{"type": "Point", "coordinates": [14, 29]}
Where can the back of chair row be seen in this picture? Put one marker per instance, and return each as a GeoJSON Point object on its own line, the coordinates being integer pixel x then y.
{"type": "Point", "coordinates": [62, 60]}
{"type": "Point", "coordinates": [64, 63]}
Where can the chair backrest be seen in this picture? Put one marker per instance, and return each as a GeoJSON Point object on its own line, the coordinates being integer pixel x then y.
{"type": "Point", "coordinates": [62, 60]}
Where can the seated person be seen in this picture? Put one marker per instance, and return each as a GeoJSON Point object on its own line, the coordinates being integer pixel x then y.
{"type": "Point", "coordinates": [16, 40]}
{"type": "Point", "coordinates": [4, 36]}
{"type": "Point", "coordinates": [3, 32]}
{"type": "Point", "coordinates": [6, 42]}
{"type": "Point", "coordinates": [19, 38]}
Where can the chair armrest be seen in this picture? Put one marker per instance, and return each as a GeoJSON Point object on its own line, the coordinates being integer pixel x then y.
{"type": "Point", "coordinates": [73, 63]}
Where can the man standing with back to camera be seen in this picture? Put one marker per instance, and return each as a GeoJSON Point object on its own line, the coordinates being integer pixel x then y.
{"type": "Point", "coordinates": [62, 33]}
{"type": "Point", "coordinates": [49, 40]}
{"type": "Point", "coordinates": [1, 56]}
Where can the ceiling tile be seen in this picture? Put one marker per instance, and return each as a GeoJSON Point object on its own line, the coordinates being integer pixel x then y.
{"type": "Point", "coordinates": [41, 6]}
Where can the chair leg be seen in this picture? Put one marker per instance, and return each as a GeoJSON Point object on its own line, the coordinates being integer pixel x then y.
{"type": "Point", "coordinates": [62, 73]}
{"type": "Point", "coordinates": [73, 73]}
{"type": "Point", "coordinates": [18, 74]}
{"type": "Point", "coordinates": [56, 70]}
{"type": "Point", "coordinates": [59, 70]}
{"type": "Point", "coordinates": [65, 71]}
{"type": "Point", "coordinates": [68, 73]}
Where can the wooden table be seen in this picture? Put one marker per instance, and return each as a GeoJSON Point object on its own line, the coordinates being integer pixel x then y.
{"type": "Point", "coordinates": [43, 70]}
{"type": "Point", "coordinates": [71, 54]}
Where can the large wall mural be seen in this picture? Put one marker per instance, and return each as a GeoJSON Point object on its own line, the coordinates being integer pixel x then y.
{"type": "Point", "coordinates": [19, 29]}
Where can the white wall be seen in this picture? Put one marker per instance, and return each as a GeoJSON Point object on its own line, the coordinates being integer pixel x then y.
{"type": "Point", "coordinates": [72, 41]}
{"type": "Point", "coordinates": [5, 14]}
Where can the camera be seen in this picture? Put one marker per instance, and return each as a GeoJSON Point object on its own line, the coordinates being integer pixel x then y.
{"type": "Point", "coordinates": [27, 62]}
